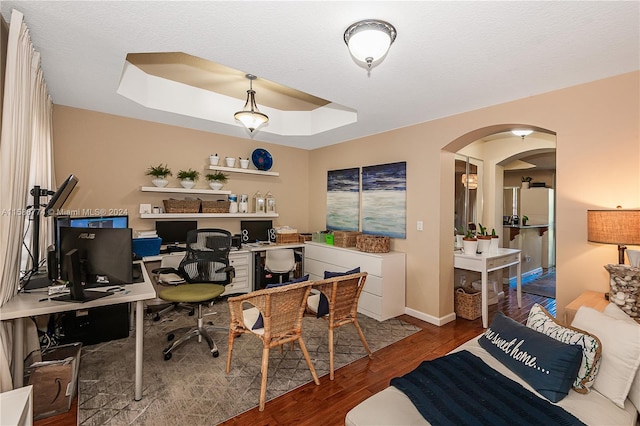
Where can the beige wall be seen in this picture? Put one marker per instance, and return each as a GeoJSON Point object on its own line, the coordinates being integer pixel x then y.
{"type": "Point", "coordinates": [598, 165]}
{"type": "Point", "coordinates": [110, 155]}
{"type": "Point", "coordinates": [598, 159]}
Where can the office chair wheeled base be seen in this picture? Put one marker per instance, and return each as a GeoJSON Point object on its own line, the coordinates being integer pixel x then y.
{"type": "Point", "coordinates": [199, 331]}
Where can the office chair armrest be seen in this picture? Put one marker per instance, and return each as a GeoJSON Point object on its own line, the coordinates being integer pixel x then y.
{"type": "Point", "coordinates": [164, 271]}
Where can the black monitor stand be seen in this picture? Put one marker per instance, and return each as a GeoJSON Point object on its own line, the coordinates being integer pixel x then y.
{"type": "Point", "coordinates": [77, 293]}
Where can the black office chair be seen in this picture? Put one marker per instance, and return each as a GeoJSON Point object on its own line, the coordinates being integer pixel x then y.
{"type": "Point", "coordinates": [206, 270]}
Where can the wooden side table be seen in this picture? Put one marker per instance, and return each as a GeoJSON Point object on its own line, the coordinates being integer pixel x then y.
{"type": "Point", "coordinates": [592, 299]}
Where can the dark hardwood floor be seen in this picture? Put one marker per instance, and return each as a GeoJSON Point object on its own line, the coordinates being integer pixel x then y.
{"type": "Point", "coordinates": [329, 403]}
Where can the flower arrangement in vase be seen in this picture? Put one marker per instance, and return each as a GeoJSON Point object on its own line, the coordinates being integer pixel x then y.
{"type": "Point", "coordinates": [159, 173]}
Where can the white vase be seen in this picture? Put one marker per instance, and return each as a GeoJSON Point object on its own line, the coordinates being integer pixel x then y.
{"type": "Point", "coordinates": [230, 161]}
{"type": "Point", "coordinates": [483, 245]}
{"type": "Point", "coordinates": [495, 245]}
{"type": "Point", "coordinates": [459, 241]}
{"type": "Point", "coordinates": [525, 185]}
{"type": "Point", "coordinates": [215, 185]}
{"type": "Point", "coordinates": [187, 183]}
{"type": "Point", "coordinates": [159, 182]}
{"type": "Point", "coordinates": [470, 246]}
{"type": "Point", "coordinates": [213, 160]}
{"type": "Point", "coordinates": [244, 163]}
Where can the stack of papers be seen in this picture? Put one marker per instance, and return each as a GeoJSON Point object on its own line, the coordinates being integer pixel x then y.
{"type": "Point", "coordinates": [285, 230]}
{"type": "Point", "coordinates": [146, 234]}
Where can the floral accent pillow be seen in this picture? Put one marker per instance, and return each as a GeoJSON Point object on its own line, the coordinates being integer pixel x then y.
{"type": "Point", "coordinates": [542, 321]}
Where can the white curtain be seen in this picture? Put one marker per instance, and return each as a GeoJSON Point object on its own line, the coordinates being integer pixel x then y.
{"type": "Point", "coordinates": [26, 133]}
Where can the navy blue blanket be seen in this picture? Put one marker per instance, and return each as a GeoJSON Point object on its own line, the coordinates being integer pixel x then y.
{"type": "Point", "coordinates": [461, 389]}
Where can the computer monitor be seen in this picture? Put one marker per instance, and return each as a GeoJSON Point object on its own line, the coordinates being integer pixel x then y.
{"type": "Point", "coordinates": [174, 231]}
{"type": "Point", "coordinates": [256, 231]}
{"type": "Point", "coordinates": [77, 292]}
{"type": "Point", "coordinates": [106, 256]}
{"type": "Point", "coordinates": [82, 222]}
{"type": "Point", "coordinates": [59, 197]}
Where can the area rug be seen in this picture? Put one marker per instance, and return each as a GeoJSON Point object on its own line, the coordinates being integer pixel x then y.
{"type": "Point", "coordinates": [544, 285]}
{"type": "Point", "coordinates": [192, 387]}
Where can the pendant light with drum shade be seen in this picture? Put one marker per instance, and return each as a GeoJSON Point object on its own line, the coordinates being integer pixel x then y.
{"type": "Point", "coordinates": [250, 116]}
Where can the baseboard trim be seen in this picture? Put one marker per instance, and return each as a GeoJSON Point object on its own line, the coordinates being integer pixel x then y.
{"type": "Point", "coordinates": [527, 276]}
{"type": "Point", "coordinates": [430, 318]}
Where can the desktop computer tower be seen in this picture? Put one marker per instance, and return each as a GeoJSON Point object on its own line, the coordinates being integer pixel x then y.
{"type": "Point", "coordinates": [96, 325]}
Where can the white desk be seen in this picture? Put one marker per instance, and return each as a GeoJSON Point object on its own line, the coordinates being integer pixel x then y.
{"type": "Point", "coordinates": [25, 305]}
{"type": "Point", "coordinates": [488, 262]}
{"type": "Point", "coordinates": [16, 407]}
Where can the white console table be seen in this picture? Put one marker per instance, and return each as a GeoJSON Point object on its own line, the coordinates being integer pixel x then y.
{"type": "Point", "coordinates": [383, 296]}
{"type": "Point", "coordinates": [488, 262]}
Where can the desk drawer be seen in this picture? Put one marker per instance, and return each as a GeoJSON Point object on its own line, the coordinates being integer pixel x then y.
{"type": "Point", "coordinates": [240, 259]}
{"type": "Point", "coordinates": [502, 261]}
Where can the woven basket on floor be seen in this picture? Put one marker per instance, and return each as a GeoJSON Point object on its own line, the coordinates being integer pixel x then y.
{"type": "Point", "coordinates": [181, 206]}
{"type": "Point", "coordinates": [219, 206]}
{"type": "Point", "coordinates": [467, 303]}
{"type": "Point", "coordinates": [373, 244]}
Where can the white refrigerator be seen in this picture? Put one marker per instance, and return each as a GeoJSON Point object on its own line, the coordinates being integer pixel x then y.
{"type": "Point", "coordinates": [538, 205]}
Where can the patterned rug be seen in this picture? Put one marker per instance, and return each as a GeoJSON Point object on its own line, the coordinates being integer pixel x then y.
{"type": "Point", "coordinates": [192, 387]}
{"type": "Point", "coordinates": [544, 285]}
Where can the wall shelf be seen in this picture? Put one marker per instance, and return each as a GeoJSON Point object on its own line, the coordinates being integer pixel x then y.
{"type": "Point", "coordinates": [206, 215]}
{"type": "Point", "coordinates": [184, 190]}
{"type": "Point", "coordinates": [240, 170]}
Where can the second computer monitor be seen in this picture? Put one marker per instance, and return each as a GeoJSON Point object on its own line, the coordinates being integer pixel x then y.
{"type": "Point", "coordinates": [174, 231]}
{"type": "Point", "coordinates": [256, 231]}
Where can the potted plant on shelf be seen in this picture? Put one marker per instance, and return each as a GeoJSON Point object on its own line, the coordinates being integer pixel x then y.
{"type": "Point", "coordinates": [244, 162]}
{"type": "Point", "coordinates": [188, 178]}
{"type": "Point", "coordinates": [469, 243]}
{"type": "Point", "coordinates": [526, 181]}
{"type": "Point", "coordinates": [484, 240]}
{"type": "Point", "coordinates": [216, 180]}
{"type": "Point", "coordinates": [495, 241]}
{"type": "Point", "coordinates": [159, 173]}
{"type": "Point", "coordinates": [525, 218]}
{"type": "Point", "coordinates": [459, 234]}
{"type": "Point", "coordinates": [214, 159]}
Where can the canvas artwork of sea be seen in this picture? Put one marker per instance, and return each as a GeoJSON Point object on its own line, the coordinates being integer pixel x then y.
{"type": "Point", "coordinates": [384, 199]}
{"type": "Point", "coordinates": [343, 199]}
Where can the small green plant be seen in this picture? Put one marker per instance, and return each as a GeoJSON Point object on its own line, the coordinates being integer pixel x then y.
{"type": "Point", "coordinates": [493, 232]}
{"type": "Point", "coordinates": [524, 220]}
{"type": "Point", "coordinates": [189, 175]}
{"type": "Point", "coordinates": [159, 171]}
{"type": "Point", "coordinates": [459, 231]}
{"type": "Point", "coordinates": [526, 178]}
{"type": "Point", "coordinates": [469, 235]}
{"type": "Point", "coordinates": [483, 230]}
{"type": "Point", "coordinates": [217, 177]}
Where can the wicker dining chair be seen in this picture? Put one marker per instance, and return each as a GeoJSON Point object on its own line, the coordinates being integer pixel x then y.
{"type": "Point", "coordinates": [342, 294]}
{"type": "Point", "coordinates": [281, 310]}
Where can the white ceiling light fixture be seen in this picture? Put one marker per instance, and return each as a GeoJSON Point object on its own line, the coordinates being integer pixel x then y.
{"type": "Point", "coordinates": [522, 133]}
{"type": "Point", "coordinates": [369, 40]}
{"type": "Point", "coordinates": [250, 116]}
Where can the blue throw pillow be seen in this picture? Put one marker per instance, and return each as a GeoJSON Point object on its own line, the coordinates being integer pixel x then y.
{"type": "Point", "coordinates": [328, 274]}
{"type": "Point", "coordinates": [260, 321]}
{"type": "Point", "coordinates": [323, 303]}
{"type": "Point", "coordinates": [296, 280]}
{"type": "Point", "coordinates": [548, 365]}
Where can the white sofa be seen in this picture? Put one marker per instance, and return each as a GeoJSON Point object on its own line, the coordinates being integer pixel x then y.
{"type": "Point", "coordinates": [393, 407]}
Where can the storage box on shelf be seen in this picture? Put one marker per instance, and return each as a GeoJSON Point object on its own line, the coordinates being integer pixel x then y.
{"type": "Point", "coordinates": [345, 238]}
{"type": "Point", "coordinates": [181, 206]}
{"type": "Point", "coordinates": [383, 296]}
{"type": "Point", "coordinates": [218, 206]}
{"type": "Point", "coordinates": [373, 244]}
